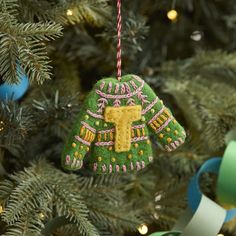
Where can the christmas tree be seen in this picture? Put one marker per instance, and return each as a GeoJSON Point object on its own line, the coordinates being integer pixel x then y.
{"type": "Point", "coordinates": [185, 50]}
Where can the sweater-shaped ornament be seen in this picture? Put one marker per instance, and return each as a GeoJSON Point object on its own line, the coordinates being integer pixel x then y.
{"type": "Point", "coordinates": [115, 123]}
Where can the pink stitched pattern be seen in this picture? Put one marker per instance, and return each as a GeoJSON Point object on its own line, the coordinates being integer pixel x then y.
{"type": "Point", "coordinates": [82, 141]}
{"type": "Point", "coordinates": [177, 143]}
{"type": "Point", "coordinates": [138, 165]}
{"type": "Point", "coordinates": [138, 126]}
{"type": "Point", "coordinates": [104, 143]}
{"type": "Point", "coordinates": [130, 102]}
{"type": "Point", "coordinates": [181, 140]}
{"type": "Point", "coordinates": [122, 91]}
{"type": "Point", "coordinates": [73, 163]}
{"type": "Point", "coordinates": [117, 88]}
{"type": "Point", "coordinates": [88, 126]}
{"type": "Point", "coordinates": [104, 168]}
{"type": "Point", "coordinates": [150, 106]}
{"type": "Point", "coordinates": [110, 168]}
{"type": "Point", "coordinates": [109, 87]}
{"type": "Point", "coordinates": [106, 131]}
{"type": "Point", "coordinates": [117, 103]}
{"type": "Point", "coordinates": [165, 124]}
{"type": "Point", "coordinates": [100, 93]}
{"type": "Point", "coordinates": [131, 166]}
{"type": "Point", "coordinates": [102, 85]}
{"type": "Point", "coordinates": [133, 84]}
{"type": "Point", "coordinates": [127, 88]}
{"type": "Point", "coordinates": [137, 78]}
{"type": "Point", "coordinates": [95, 115]}
{"type": "Point", "coordinates": [117, 168]}
{"type": "Point", "coordinates": [143, 164]}
{"type": "Point", "coordinates": [142, 97]}
{"type": "Point", "coordinates": [95, 166]}
{"type": "Point", "coordinates": [158, 113]}
{"type": "Point", "coordinates": [124, 168]}
{"type": "Point", "coordinates": [67, 160]}
{"type": "Point", "coordinates": [173, 146]}
{"type": "Point", "coordinates": [102, 102]}
{"type": "Point", "coordinates": [168, 148]}
{"type": "Point", "coordinates": [135, 139]}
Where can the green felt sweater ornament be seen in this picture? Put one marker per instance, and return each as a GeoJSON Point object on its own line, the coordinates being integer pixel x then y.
{"type": "Point", "coordinates": [115, 123]}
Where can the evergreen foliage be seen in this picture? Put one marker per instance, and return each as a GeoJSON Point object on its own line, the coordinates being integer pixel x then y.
{"type": "Point", "coordinates": [73, 43]}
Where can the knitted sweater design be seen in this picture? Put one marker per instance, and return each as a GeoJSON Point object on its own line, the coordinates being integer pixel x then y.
{"type": "Point", "coordinates": [92, 133]}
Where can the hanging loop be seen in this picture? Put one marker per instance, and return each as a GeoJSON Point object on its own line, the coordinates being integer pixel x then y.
{"type": "Point", "coordinates": [118, 55]}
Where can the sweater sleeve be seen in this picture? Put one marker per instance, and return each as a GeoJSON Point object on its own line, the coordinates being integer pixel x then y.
{"type": "Point", "coordinates": [80, 139]}
{"type": "Point", "coordinates": [161, 122]}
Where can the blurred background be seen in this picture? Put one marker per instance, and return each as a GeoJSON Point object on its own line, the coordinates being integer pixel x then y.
{"type": "Point", "coordinates": [184, 49]}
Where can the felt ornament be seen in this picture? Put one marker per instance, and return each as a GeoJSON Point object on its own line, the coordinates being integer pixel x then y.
{"type": "Point", "coordinates": [115, 124]}
{"type": "Point", "coordinates": [116, 121]}
{"type": "Point", "coordinates": [14, 91]}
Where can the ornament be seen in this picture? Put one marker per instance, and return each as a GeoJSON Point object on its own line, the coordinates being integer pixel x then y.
{"type": "Point", "coordinates": [122, 144]}
{"type": "Point", "coordinates": [14, 91]}
{"type": "Point", "coordinates": [116, 121]}
{"type": "Point", "coordinates": [172, 15]}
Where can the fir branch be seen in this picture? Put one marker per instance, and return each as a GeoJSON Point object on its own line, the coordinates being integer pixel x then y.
{"type": "Point", "coordinates": [74, 209]}
{"type": "Point", "coordinates": [10, 6]}
{"type": "Point", "coordinates": [28, 195]}
{"type": "Point", "coordinates": [17, 124]}
{"type": "Point", "coordinates": [95, 12]}
{"type": "Point", "coordinates": [21, 43]}
{"type": "Point", "coordinates": [210, 112]}
{"type": "Point", "coordinates": [39, 31]}
{"type": "Point", "coordinates": [29, 225]}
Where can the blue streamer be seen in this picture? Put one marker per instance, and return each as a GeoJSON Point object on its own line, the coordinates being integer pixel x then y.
{"type": "Point", "coordinates": [194, 191]}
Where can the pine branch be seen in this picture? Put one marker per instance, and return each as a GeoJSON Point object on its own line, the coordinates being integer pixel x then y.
{"type": "Point", "coordinates": [29, 225]}
{"type": "Point", "coordinates": [9, 6]}
{"type": "Point", "coordinates": [95, 12]}
{"type": "Point", "coordinates": [75, 210]}
{"type": "Point", "coordinates": [39, 31]}
{"type": "Point", "coordinates": [17, 123]}
{"type": "Point", "coordinates": [211, 113]}
{"type": "Point", "coordinates": [21, 44]}
{"type": "Point", "coordinates": [28, 195]}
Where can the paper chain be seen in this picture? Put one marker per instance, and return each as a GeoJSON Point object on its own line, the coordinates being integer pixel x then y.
{"type": "Point", "coordinates": [195, 221]}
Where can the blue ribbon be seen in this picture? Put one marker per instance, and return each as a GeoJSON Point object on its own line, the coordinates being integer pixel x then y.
{"type": "Point", "coordinates": [194, 191]}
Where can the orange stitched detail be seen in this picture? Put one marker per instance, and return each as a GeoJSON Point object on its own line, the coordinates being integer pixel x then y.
{"type": "Point", "coordinates": [111, 136]}
{"type": "Point", "coordinates": [167, 112]}
{"type": "Point", "coordinates": [156, 124]}
{"type": "Point", "coordinates": [163, 117]}
{"type": "Point", "coordinates": [82, 131]}
{"type": "Point", "coordinates": [143, 132]}
{"type": "Point", "coordinates": [91, 136]}
{"type": "Point", "coordinates": [86, 135]}
{"type": "Point", "coordinates": [99, 137]}
{"type": "Point", "coordinates": [132, 133]}
{"type": "Point", "coordinates": [153, 127]}
{"type": "Point", "coordinates": [138, 132]}
{"type": "Point", "coordinates": [159, 120]}
{"type": "Point", "coordinates": [105, 136]}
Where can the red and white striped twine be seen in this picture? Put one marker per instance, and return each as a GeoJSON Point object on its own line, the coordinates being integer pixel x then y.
{"type": "Point", "coordinates": [118, 55]}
